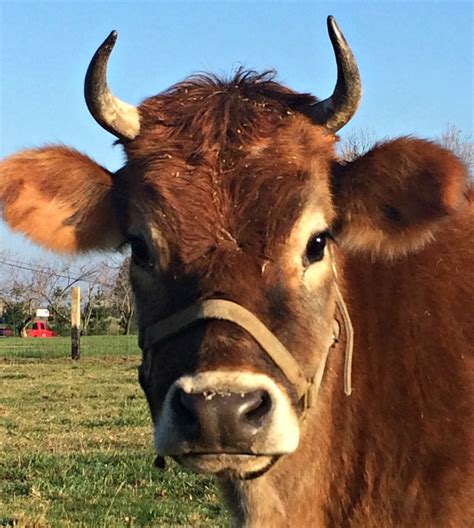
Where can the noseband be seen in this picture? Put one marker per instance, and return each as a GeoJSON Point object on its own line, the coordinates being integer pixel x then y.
{"type": "Point", "coordinates": [219, 309]}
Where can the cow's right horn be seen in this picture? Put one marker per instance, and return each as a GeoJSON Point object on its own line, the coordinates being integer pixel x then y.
{"type": "Point", "coordinates": [116, 116]}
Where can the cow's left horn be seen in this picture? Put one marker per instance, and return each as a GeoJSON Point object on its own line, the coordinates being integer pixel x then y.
{"type": "Point", "coordinates": [336, 111]}
{"type": "Point", "coordinates": [116, 116]}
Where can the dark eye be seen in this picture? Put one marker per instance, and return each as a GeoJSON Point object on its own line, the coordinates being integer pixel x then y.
{"type": "Point", "coordinates": [140, 253]}
{"type": "Point", "coordinates": [315, 248]}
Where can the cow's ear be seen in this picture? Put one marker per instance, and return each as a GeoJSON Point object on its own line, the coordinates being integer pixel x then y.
{"type": "Point", "coordinates": [60, 199]}
{"type": "Point", "coordinates": [391, 200]}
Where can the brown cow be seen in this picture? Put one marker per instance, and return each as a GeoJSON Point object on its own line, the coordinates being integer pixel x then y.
{"type": "Point", "coordinates": [239, 214]}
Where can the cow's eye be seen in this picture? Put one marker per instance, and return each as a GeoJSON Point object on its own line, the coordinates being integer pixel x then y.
{"type": "Point", "coordinates": [315, 248]}
{"type": "Point", "coordinates": [141, 255]}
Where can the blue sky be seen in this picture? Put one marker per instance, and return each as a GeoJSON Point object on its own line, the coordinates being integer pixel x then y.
{"type": "Point", "coordinates": [415, 58]}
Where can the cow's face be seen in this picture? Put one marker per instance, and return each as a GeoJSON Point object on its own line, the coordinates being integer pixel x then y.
{"type": "Point", "coordinates": [248, 221]}
{"type": "Point", "coordinates": [231, 191]}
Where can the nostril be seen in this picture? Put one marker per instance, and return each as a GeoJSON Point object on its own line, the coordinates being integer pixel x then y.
{"type": "Point", "coordinates": [185, 407]}
{"type": "Point", "coordinates": [258, 405]}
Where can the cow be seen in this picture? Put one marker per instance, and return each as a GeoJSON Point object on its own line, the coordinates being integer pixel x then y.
{"type": "Point", "coordinates": [265, 269]}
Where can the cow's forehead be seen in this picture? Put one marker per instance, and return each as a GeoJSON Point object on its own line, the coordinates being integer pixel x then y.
{"type": "Point", "coordinates": [240, 171]}
{"type": "Point", "coordinates": [254, 203]}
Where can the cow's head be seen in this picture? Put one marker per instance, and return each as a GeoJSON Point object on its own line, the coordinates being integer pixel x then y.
{"type": "Point", "coordinates": [232, 191]}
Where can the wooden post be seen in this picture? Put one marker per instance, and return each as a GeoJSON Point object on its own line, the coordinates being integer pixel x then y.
{"type": "Point", "coordinates": [76, 323]}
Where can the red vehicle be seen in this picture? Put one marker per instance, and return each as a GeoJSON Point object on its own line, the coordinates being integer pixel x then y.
{"type": "Point", "coordinates": [40, 329]}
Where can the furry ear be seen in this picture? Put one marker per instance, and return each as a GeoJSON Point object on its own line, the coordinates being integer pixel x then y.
{"type": "Point", "coordinates": [390, 200]}
{"type": "Point", "coordinates": [60, 199]}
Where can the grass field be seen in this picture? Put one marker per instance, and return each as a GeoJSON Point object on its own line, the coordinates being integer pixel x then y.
{"type": "Point", "coordinates": [76, 445]}
{"type": "Point", "coordinates": [57, 347]}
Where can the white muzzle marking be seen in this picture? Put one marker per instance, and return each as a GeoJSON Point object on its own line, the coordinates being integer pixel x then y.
{"type": "Point", "coordinates": [279, 436]}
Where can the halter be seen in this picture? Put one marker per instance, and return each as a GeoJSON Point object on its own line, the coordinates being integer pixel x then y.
{"type": "Point", "coordinates": [307, 389]}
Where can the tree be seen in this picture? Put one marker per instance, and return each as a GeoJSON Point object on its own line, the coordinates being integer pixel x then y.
{"type": "Point", "coordinates": [36, 284]}
{"type": "Point", "coordinates": [461, 144]}
{"type": "Point", "coordinates": [356, 144]}
{"type": "Point", "coordinates": [96, 309]}
{"type": "Point", "coordinates": [17, 314]}
{"type": "Point", "coordinates": [20, 301]}
{"type": "Point", "coordinates": [123, 303]}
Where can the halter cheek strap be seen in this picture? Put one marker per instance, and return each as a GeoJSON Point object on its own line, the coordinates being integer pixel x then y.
{"type": "Point", "coordinates": [220, 309]}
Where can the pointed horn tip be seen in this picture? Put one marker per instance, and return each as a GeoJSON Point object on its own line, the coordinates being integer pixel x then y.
{"type": "Point", "coordinates": [334, 30]}
{"type": "Point", "coordinates": [110, 41]}
{"type": "Point", "coordinates": [331, 22]}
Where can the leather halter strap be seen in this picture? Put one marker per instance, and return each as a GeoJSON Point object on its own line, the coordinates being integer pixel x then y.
{"type": "Point", "coordinates": [306, 389]}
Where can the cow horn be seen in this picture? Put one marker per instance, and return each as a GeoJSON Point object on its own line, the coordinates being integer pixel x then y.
{"type": "Point", "coordinates": [116, 116]}
{"type": "Point", "coordinates": [336, 111]}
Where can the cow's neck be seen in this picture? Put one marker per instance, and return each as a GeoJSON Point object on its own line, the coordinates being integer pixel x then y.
{"type": "Point", "coordinates": [299, 486]}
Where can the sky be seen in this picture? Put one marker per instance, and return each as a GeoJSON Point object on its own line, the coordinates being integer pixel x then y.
{"type": "Point", "coordinates": [415, 59]}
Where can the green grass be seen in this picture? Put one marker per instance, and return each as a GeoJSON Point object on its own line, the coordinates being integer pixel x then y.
{"type": "Point", "coordinates": [56, 347]}
{"type": "Point", "coordinates": [76, 449]}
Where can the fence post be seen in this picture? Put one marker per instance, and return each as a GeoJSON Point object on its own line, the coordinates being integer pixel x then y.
{"type": "Point", "coordinates": [75, 323]}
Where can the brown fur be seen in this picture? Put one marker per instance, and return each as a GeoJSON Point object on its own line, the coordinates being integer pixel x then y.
{"type": "Point", "coordinates": [216, 181]}
{"type": "Point", "coordinates": [60, 198]}
{"type": "Point", "coordinates": [401, 188]}
{"type": "Point", "coordinates": [399, 451]}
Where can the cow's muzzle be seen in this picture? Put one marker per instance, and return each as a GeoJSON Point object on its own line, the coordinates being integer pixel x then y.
{"type": "Point", "coordinates": [226, 420]}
